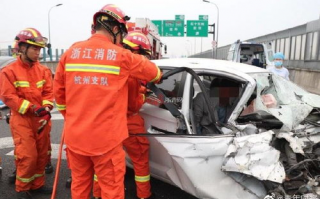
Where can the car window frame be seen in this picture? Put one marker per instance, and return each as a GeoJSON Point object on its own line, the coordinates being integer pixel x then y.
{"type": "Point", "coordinates": [210, 74]}
{"type": "Point", "coordinates": [181, 85]}
{"type": "Point", "coordinates": [186, 116]}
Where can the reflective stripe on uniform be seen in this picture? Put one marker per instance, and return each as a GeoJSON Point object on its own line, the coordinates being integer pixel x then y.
{"type": "Point", "coordinates": [158, 75]}
{"type": "Point", "coordinates": [27, 180]}
{"type": "Point", "coordinates": [61, 107]}
{"type": "Point", "coordinates": [93, 68]}
{"type": "Point", "coordinates": [44, 102]}
{"type": "Point", "coordinates": [142, 178]}
{"type": "Point", "coordinates": [41, 83]}
{"type": "Point", "coordinates": [95, 177]}
{"type": "Point", "coordinates": [38, 175]}
{"type": "Point", "coordinates": [24, 106]}
{"type": "Point", "coordinates": [21, 84]}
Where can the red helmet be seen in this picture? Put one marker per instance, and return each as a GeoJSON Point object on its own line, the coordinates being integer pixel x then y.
{"type": "Point", "coordinates": [137, 41]}
{"type": "Point", "coordinates": [114, 13]}
{"type": "Point", "coordinates": [31, 36]}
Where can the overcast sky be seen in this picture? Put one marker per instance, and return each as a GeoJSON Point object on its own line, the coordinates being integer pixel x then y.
{"type": "Point", "coordinates": [238, 19]}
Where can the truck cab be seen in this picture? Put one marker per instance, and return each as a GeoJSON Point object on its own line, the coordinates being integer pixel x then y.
{"type": "Point", "coordinates": [257, 54]}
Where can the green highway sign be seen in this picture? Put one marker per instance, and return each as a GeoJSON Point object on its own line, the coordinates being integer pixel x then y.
{"type": "Point", "coordinates": [203, 17]}
{"type": "Point", "coordinates": [179, 17]}
{"type": "Point", "coordinates": [158, 23]}
{"type": "Point", "coordinates": [173, 28]}
{"type": "Point", "coordinates": [197, 28]}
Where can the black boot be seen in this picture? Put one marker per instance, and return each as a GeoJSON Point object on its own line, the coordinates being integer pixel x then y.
{"type": "Point", "coordinates": [12, 177]}
{"type": "Point", "coordinates": [49, 168]}
{"type": "Point", "coordinates": [43, 190]}
{"type": "Point", "coordinates": [24, 195]}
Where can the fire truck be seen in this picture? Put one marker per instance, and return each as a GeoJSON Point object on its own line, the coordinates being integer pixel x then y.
{"type": "Point", "coordinates": [151, 31]}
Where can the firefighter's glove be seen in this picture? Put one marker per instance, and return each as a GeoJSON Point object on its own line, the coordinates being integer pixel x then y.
{"type": "Point", "coordinates": [43, 122]}
{"type": "Point", "coordinates": [40, 111]}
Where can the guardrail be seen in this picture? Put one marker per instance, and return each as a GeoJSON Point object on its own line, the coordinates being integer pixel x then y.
{"type": "Point", "coordinates": [307, 79]}
{"type": "Point", "coordinates": [45, 53]}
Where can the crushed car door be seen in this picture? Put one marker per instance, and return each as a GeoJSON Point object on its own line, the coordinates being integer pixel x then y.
{"type": "Point", "coordinates": [178, 155]}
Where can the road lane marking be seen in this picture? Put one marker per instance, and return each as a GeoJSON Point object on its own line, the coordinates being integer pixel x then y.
{"type": "Point", "coordinates": [54, 152]}
{"type": "Point", "coordinates": [56, 117]}
{"type": "Point", "coordinates": [7, 142]}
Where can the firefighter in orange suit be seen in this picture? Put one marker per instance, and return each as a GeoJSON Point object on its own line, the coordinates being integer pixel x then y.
{"type": "Point", "coordinates": [91, 91]}
{"type": "Point", "coordinates": [137, 147]}
{"type": "Point", "coordinates": [26, 87]}
{"type": "Point", "coordinates": [49, 168]}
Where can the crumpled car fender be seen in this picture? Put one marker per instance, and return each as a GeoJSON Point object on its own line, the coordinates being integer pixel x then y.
{"type": "Point", "coordinates": [253, 155]}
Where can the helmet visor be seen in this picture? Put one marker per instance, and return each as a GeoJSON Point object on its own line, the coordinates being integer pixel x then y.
{"type": "Point", "coordinates": [38, 41]}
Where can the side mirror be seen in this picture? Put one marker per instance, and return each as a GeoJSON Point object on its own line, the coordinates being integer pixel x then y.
{"type": "Point", "coordinates": [165, 49]}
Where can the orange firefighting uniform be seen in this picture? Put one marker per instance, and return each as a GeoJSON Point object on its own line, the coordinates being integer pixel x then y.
{"type": "Point", "coordinates": [91, 90]}
{"type": "Point", "coordinates": [22, 86]}
{"type": "Point", "coordinates": [137, 147]}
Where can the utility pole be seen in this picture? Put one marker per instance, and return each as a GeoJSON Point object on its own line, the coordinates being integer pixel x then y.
{"type": "Point", "coordinates": [207, 1]}
{"type": "Point", "coordinates": [214, 35]}
{"type": "Point", "coordinates": [49, 45]}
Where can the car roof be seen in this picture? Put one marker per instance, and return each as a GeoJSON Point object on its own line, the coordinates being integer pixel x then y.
{"type": "Point", "coordinates": [211, 64]}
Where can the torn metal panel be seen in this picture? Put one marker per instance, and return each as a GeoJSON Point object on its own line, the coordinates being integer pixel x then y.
{"type": "Point", "coordinates": [197, 167]}
{"type": "Point", "coordinates": [253, 155]}
{"type": "Point", "coordinates": [289, 92]}
{"type": "Point", "coordinates": [247, 129]}
{"type": "Point", "coordinates": [291, 115]}
{"type": "Point", "coordinates": [295, 143]}
{"type": "Point", "coordinates": [293, 103]}
{"type": "Point", "coordinates": [311, 99]}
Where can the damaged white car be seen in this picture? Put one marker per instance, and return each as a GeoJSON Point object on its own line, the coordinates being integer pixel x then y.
{"type": "Point", "coordinates": [220, 129]}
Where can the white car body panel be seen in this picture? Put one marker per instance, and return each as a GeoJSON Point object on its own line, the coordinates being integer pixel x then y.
{"type": "Point", "coordinates": [194, 165]}
{"type": "Point", "coordinates": [208, 166]}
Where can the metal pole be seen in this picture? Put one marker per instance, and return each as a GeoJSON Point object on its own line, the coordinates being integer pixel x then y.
{"type": "Point", "coordinates": [213, 35]}
{"type": "Point", "coordinates": [50, 51]}
{"type": "Point", "coordinates": [217, 23]}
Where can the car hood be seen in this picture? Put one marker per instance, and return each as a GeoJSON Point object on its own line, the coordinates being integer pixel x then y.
{"type": "Point", "coordinates": [293, 104]}
{"type": "Point", "coordinates": [258, 151]}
